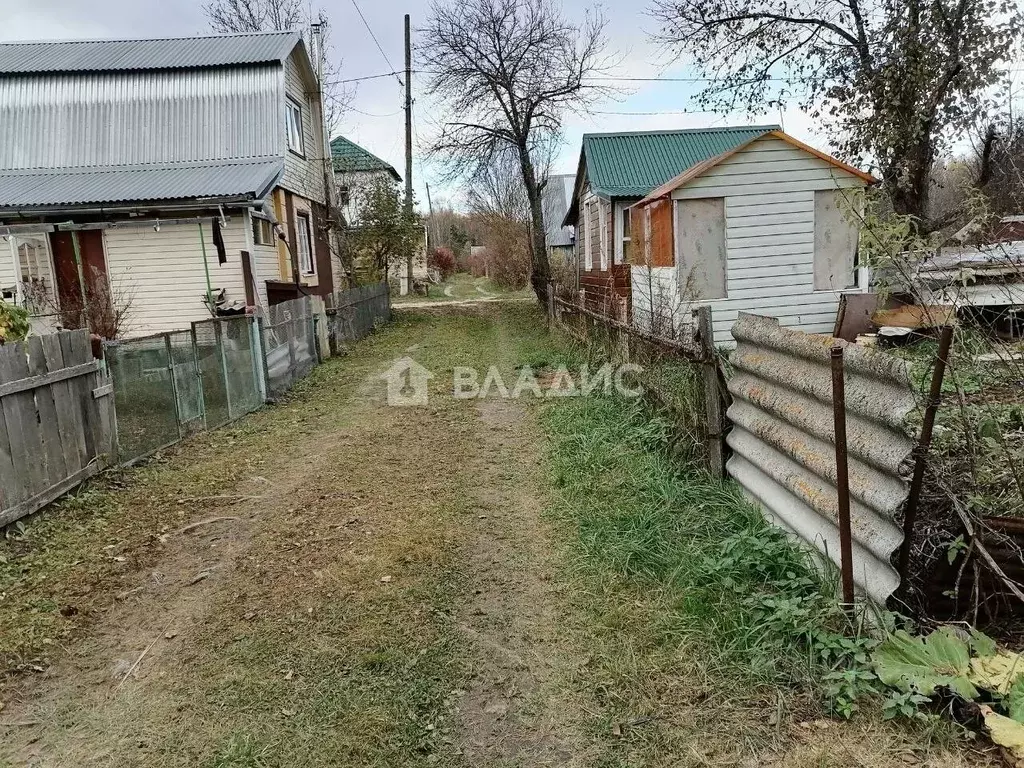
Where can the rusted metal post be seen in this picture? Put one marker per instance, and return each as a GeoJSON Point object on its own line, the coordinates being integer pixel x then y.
{"type": "Point", "coordinates": [921, 451]}
{"type": "Point", "coordinates": [712, 391]}
{"type": "Point", "coordinates": [842, 475]}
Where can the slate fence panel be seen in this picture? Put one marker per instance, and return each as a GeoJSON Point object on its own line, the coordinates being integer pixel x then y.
{"type": "Point", "coordinates": [56, 420]}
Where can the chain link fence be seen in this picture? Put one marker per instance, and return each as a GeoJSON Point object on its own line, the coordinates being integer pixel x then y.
{"type": "Point", "coordinates": [289, 344]}
{"type": "Point", "coordinates": [353, 314]}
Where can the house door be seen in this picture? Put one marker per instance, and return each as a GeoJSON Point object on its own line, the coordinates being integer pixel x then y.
{"type": "Point", "coordinates": [94, 275]}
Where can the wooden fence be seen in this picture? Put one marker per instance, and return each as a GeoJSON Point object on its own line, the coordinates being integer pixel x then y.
{"type": "Point", "coordinates": [56, 420]}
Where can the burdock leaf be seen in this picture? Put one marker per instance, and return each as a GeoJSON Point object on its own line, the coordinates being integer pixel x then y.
{"type": "Point", "coordinates": [940, 660]}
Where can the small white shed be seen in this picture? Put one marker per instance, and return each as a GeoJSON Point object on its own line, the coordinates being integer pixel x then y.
{"type": "Point", "coordinates": [766, 227]}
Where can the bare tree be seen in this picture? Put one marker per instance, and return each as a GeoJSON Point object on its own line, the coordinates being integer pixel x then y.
{"type": "Point", "coordinates": [895, 79]}
{"type": "Point", "coordinates": [507, 71]}
{"type": "Point", "coordinates": [240, 16]}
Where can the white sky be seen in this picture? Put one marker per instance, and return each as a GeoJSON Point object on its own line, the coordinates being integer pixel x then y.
{"type": "Point", "coordinates": [375, 120]}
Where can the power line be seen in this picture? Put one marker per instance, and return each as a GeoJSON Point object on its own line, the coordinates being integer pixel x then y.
{"type": "Point", "coordinates": [376, 41]}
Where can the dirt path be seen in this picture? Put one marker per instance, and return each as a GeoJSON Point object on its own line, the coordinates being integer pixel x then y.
{"type": "Point", "coordinates": [278, 619]}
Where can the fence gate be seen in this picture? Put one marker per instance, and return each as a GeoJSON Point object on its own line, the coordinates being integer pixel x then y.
{"type": "Point", "coordinates": [56, 420]}
{"type": "Point", "coordinates": [289, 343]}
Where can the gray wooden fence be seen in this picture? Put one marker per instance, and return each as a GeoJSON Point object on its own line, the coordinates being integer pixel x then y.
{"type": "Point", "coordinates": [56, 420]}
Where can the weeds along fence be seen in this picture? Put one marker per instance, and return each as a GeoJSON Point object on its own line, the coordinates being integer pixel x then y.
{"type": "Point", "coordinates": [935, 528]}
{"type": "Point", "coordinates": [683, 374]}
{"type": "Point", "coordinates": [64, 416]}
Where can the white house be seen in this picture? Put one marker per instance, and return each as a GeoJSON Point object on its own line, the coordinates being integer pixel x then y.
{"type": "Point", "coordinates": [766, 227]}
{"type": "Point", "coordinates": [165, 169]}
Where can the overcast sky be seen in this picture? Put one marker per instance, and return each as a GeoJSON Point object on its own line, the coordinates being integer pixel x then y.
{"type": "Point", "coordinates": [375, 120]}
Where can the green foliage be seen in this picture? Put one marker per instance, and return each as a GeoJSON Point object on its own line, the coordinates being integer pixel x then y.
{"type": "Point", "coordinates": [386, 232]}
{"type": "Point", "coordinates": [14, 324]}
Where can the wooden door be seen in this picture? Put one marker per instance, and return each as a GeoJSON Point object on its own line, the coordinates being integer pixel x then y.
{"type": "Point", "coordinates": [66, 278]}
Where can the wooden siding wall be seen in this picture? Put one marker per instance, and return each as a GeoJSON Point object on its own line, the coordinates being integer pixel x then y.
{"type": "Point", "coordinates": [602, 288]}
{"type": "Point", "coordinates": [163, 271]}
{"type": "Point", "coordinates": [304, 176]}
{"type": "Point", "coordinates": [769, 191]}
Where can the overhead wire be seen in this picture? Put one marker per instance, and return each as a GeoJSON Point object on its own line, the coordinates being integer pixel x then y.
{"type": "Point", "coordinates": [377, 43]}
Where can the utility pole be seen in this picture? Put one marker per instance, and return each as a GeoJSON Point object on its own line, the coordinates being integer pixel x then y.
{"type": "Point", "coordinates": [408, 146]}
{"type": "Point", "coordinates": [433, 223]}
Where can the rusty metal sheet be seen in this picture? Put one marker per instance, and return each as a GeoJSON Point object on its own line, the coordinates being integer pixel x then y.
{"type": "Point", "coordinates": [783, 446]}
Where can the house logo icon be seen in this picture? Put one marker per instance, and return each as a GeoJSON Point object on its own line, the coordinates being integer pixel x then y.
{"type": "Point", "coordinates": [407, 383]}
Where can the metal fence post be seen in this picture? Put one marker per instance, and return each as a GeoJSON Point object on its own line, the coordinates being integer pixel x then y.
{"type": "Point", "coordinates": [261, 332]}
{"type": "Point", "coordinates": [712, 391]}
{"type": "Point", "coordinates": [219, 336]}
{"type": "Point", "coordinates": [842, 475]}
{"type": "Point", "coordinates": [199, 377]}
{"type": "Point", "coordinates": [258, 359]}
{"type": "Point", "coordinates": [174, 384]}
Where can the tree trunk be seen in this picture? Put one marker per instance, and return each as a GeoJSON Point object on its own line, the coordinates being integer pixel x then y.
{"type": "Point", "coordinates": [540, 271]}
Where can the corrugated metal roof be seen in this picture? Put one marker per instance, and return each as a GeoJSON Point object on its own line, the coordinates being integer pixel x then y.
{"type": "Point", "coordinates": [31, 189]}
{"type": "Point", "coordinates": [556, 198]}
{"type": "Point", "coordinates": [162, 53]}
{"type": "Point", "coordinates": [82, 119]}
{"type": "Point", "coordinates": [783, 441]}
{"type": "Point", "coordinates": [350, 157]}
{"type": "Point", "coordinates": [632, 164]}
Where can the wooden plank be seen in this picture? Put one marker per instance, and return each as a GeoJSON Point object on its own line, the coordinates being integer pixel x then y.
{"type": "Point", "coordinates": [82, 387]}
{"type": "Point", "coordinates": [66, 412]}
{"type": "Point", "coordinates": [916, 316]}
{"type": "Point", "coordinates": [22, 427]}
{"type": "Point", "coordinates": [9, 481]}
{"type": "Point", "coordinates": [38, 380]}
{"type": "Point", "coordinates": [712, 392]}
{"type": "Point", "coordinates": [75, 447]}
{"type": "Point", "coordinates": [40, 500]}
{"type": "Point", "coordinates": [49, 430]}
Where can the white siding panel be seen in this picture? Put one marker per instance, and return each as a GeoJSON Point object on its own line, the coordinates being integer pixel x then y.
{"type": "Point", "coordinates": [769, 190]}
{"type": "Point", "coordinates": [163, 272]}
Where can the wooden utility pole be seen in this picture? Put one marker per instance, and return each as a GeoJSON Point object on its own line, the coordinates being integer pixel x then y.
{"type": "Point", "coordinates": [408, 145]}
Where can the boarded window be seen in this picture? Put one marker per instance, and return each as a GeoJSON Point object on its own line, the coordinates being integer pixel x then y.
{"type": "Point", "coordinates": [835, 242]}
{"type": "Point", "coordinates": [700, 244]}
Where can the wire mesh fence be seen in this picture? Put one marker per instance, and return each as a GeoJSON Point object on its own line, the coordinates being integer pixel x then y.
{"type": "Point", "coordinates": [289, 344]}
{"type": "Point", "coordinates": [353, 314]}
{"type": "Point", "coordinates": [173, 384]}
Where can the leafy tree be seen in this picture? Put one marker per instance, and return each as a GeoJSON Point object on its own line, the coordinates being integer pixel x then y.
{"type": "Point", "coordinates": [385, 232]}
{"type": "Point", "coordinates": [894, 80]}
{"type": "Point", "coordinates": [506, 72]}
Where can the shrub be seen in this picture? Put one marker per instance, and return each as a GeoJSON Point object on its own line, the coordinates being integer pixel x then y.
{"type": "Point", "coordinates": [443, 260]}
{"type": "Point", "coordinates": [14, 325]}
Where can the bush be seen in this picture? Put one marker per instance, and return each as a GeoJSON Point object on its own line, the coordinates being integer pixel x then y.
{"type": "Point", "coordinates": [14, 325]}
{"type": "Point", "coordinates": [443, 260]}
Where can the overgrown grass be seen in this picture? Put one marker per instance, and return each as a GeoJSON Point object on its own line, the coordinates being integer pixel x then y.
{"type": "Point", "coordinates": [687, 582]}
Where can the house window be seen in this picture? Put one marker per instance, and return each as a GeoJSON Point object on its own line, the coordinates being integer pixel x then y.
{"type": "Point", "coordinates": [835, 242]}
{"type": "Point", "coordinates": [622, 255]}
{"type": "Point", "coordinates": [701, 248]}
{"type": "Point", "coordinates": [602, 212]}
{"type": "Point", "coordinates": [262, 231]}
{"type": "Point", "coordinates": [293, 123]}
{"type": "Point", "coordinates": [304, 246]}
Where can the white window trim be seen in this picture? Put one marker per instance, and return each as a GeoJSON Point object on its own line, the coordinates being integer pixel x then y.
{"type": "Point", "coordinates": [588, 249]}
{"type": "Point", "coordinates": [622, 213]}
{"type": "Point", "coordinates": [303, 217]}
{"type": "Point", "coordinates": [602, 212]}
{"type": "Point", "coordinates": [292, 104]}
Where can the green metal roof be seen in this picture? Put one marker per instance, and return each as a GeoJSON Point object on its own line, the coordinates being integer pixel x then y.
{"type": "Point", "coordinates": [348, 156]}
{"type": "Point", "coordinates": [632, 164]}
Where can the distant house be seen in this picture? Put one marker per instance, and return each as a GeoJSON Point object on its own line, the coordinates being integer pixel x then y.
{"type": "Point", "coordinates": [556, 198]}
{"type": "Point", "coordinates": [166, 168]}
{"type": "Point", "coordinates": [763, 226]}
{"type": "Point", "coordinates": [355, 170]}
{"type": "Point", "coordinates": [615, 171]}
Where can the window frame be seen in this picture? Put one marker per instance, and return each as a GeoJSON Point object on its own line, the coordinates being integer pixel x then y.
{"type": "Point", "coordinates": [258, 225]}
{"type": "Point", "coordinates": [304, 218]}
{"type": "Point", "coordinates": [625, 221]}
{"type": "Point", "coordinates": [588, 245]}
{"type": "Point", "coordinates": [290, 106]}
{"type": "Point", "coordinates": [602, 213]}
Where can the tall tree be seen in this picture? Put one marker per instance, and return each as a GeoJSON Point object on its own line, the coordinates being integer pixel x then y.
{"type": "Point", "coordinates": [507, 71]}
{"type": "Point", "coordinates": [895, 80]}
{"type": "Point", "coordinates": [385, 230]}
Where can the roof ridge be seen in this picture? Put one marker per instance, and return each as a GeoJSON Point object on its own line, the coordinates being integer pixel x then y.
{"type": "Point", "coordinates": [667, 131]}
{"type": "Point", "coordinates": [215, 36]}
